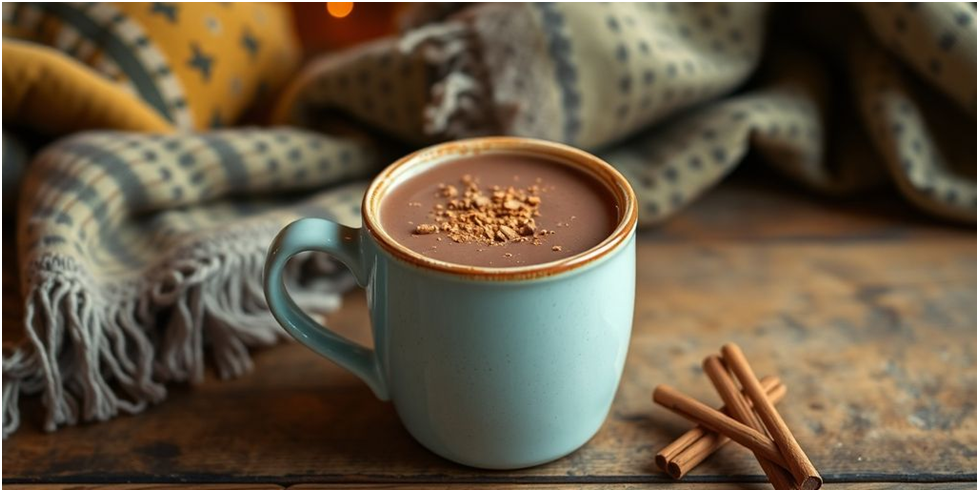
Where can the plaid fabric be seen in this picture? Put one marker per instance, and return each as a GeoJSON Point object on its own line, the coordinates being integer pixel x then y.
{"type": "Point", "coordinates": [138, 250]}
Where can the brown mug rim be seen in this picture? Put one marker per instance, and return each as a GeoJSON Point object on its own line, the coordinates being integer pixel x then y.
{"type": "Point", "coordinates": [563, 154]}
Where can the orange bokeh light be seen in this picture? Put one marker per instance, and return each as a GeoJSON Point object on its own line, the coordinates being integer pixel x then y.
{"type": "Point", "coordinates": [339, 9]}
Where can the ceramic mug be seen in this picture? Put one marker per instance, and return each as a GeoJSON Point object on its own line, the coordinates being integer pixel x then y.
{"type": "Point", "coordinates": [489, 367]}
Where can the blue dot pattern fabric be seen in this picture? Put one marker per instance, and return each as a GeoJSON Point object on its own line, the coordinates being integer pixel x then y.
{"type": "Point", "coordinates": [676, 95]}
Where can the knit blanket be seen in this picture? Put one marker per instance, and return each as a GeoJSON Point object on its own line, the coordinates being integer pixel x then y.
{"type": "Point", "coordinates": [140, 249]}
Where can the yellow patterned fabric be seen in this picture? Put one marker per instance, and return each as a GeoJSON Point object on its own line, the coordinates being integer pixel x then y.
{"type": "Point", "coordinates": [55, 95]}
{"type": "Point", "coordinates": [200, 65]}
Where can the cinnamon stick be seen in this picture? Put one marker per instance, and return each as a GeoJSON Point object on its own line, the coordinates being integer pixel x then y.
{"type": "Point", "coordinates": [806, 475]}
{"type": "Point", "coordinates": [694, 446]}
{"type": "Point", "coordinates": [695, 453]}
{"type": "Point", "coordinates": [700, 413]}
{"type": "Point", "coordinates": [737, 407]}
{"type": "Point", "coordinates": [696, 435]}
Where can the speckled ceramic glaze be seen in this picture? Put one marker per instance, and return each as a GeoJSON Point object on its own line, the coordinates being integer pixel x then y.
{"type": "Point", "coordinates": [489, 367]}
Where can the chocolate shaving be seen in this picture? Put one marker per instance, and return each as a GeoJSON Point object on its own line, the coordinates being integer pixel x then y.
{"type": "Point", "coordinates": [496, 216]}
{"type": "Point", "coordinates": [426, 229]}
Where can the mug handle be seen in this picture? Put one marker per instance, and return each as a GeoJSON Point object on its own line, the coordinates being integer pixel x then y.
{"type": "Point", "coordinates": [344, 244]}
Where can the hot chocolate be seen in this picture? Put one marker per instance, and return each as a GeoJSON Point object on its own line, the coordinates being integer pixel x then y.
{"type": "Point", "coordinates": [500, 210]}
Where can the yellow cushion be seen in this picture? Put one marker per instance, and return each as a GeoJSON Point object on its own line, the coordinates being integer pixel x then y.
{"type": "Point", "coordinates": [45, 91]}
{"type": "Point", "coordinates": [199, 65]}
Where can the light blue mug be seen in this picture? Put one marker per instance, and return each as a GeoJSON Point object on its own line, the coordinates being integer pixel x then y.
{"type": "Point", "coordinates": [489, 367]}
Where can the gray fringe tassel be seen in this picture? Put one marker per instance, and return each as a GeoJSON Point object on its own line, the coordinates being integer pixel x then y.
{"type": "Point", "coordinates": [95, 350]}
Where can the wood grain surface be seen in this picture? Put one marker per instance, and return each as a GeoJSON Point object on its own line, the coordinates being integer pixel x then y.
{"type": "Point", "coordinates": [866, 310]}
{"type": "Point", "coordinates": [485, 486]}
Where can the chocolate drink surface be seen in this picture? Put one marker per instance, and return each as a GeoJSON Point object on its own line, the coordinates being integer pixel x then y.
{"type": "Point", "coordinates": [499, 210]}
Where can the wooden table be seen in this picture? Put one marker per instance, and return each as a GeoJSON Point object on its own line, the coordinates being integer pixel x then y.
{"type": "Point", "coordinates": [865, 308]}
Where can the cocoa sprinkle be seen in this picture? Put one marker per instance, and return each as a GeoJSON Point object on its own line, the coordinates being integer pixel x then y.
{"type": "Point", "coordinates": [426, 229]}
{"type": "Point", "coordinates": [495, 216]}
